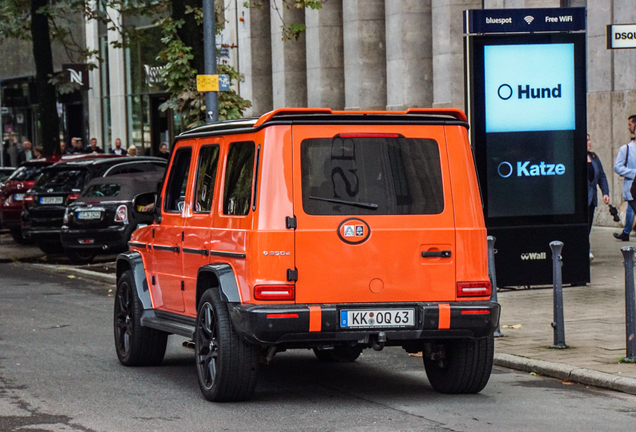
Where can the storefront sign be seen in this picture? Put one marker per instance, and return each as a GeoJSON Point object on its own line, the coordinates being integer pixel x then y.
{"type": "Point", "coordinates": [77, 73]}
{"type": "Point", "coordinates": [207, 83]}
{"type": "Point", "coordinates": [621, 36]}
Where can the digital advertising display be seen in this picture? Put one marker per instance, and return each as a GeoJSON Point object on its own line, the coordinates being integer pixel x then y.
{"type": "Point", "coordinates": [526, 104]}
{"type": "Point", "coordinates": [525, 116]}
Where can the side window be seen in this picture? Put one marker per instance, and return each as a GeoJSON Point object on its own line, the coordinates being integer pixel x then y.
{"type": "Point", "coordinates": [178, 181]}
{"type": "Point", "coordinates": [238, 179]}
{"type": "Point", "coordinates": [206, 175]}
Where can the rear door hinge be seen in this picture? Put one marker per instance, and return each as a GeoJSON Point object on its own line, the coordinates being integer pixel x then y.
{"type": "Point", "coordinates": [292, 275]}
{"type": "Point", "coordinates": [290, 222]}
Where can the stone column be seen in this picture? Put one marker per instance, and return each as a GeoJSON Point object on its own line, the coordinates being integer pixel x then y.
{"type": "Point", "coordinates": [325, 56]}
{"type": "Point", "coordinates": [364, 54]}
{"type": "Point", "coordinates": [255, 56]}
{"type": "Point", "coordinates": [117, 84]}
{"type": "Point", "coordinates": [94, 92]}
{"type": "Point", "coordinates": [448, 52]}
{"type": "Point", "coordinates": [289, 58]}
{"type": "Point", "coordinates": [409, 54]}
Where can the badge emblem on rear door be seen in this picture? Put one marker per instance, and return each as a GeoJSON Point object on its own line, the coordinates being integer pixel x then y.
{"type": "Point", "coordinates": [354, 231]}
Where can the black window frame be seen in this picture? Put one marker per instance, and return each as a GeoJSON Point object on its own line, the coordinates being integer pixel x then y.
{"type": "Point", "coordinates": [226, 183]}
{"type": "Point", "coordinates": [173, 172]}
{"type": "Point", "coordinates": [196, 178]}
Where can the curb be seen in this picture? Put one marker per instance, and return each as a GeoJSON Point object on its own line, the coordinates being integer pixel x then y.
{"type": "Point", "coordinates": [101, 277]}
{"type": "Point", "coordinates": [571, 373]}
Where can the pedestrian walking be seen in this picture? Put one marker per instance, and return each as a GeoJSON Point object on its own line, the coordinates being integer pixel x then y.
{"type": "Point", "coordinates": [26, 154]}
{"type": "Point", "coordinates": [117, 150]}
{"type": "Point", "coordinates": [625, 166]}
{"type": "Point", "coordinates": [595, 178]}
{"type": "Point", "coordinates": [132, 151]}
{"type": "Point", "coordinates": [163, 151]}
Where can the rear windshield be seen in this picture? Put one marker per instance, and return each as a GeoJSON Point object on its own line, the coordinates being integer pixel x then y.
{"type": "Point", "coordinates": [28, 172]}
{"type": "Point", "coordinates": [102, 190]}
{"type": "Point", "coordinates": [371, 175]}
{"type": "Point", "coordinates": [63, 180]}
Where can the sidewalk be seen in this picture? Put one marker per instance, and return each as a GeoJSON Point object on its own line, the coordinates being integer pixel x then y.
{"type": "Point", "coordinates": [12, 251]}
{"type": "Point", "coordinates": [594, 324]}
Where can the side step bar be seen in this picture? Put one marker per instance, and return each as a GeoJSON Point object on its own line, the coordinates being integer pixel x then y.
{"type": "Point", "coordinates": [169, 323]}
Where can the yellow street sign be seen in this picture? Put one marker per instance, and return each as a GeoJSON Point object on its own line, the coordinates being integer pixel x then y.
{"type": "Point", "coordinates": [207, 83]}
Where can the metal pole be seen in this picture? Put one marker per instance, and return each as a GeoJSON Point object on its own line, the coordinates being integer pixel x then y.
{"type": "Point", "coordinates": [493, 278]}
{"type": "Point", "coordinates": [558, 324]}
{"type": "Point", "coordinates": [630, 304]}
{"type": "Point", "coordinates": [209, 54]}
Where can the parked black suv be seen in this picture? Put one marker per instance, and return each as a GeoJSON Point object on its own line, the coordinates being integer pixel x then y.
{"type": "Point", "coordinates": [62, 183]}
{"type": "Point", "coordinates": [106, 214]}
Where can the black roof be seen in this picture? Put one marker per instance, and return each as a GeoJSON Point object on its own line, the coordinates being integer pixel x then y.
{"type": "Point", "coordinates": [131, 185]}
{"type": "Point", "coordinates": [320, 116]}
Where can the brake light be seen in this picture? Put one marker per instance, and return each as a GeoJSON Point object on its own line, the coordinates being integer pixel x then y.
{"type": "Point", "coordinates": [474, 289]}
{"type": "Point", "coordinates": [369, 135]}
{"type": "Point", "coordinates": [72, 198]}
{"type": "Point", "coordinates": [121, 215]}
{"type": "Point", "coordinates": [274, 292]}
{"type": "Point", "coordinates": [28, 199]}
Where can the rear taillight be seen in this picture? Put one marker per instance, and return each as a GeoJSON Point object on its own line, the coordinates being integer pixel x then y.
{"type": "Point", "coordinates": [28, 199]}
{"type": "Point", "coordinates": [274, 292]}
{"type": "Point", "coordinates": [121, 215]}
{"type": "Point", "coordinates": [72, 198]}
{"type": "Point", "coordinates": [474, 289]}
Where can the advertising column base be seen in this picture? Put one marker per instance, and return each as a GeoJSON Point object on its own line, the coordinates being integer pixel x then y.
{"type": "Point", "coordinates": [524, 257]}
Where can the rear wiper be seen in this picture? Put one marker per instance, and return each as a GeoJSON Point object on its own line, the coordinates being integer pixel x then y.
{"type": "Point", "coordinates": [372, 206]}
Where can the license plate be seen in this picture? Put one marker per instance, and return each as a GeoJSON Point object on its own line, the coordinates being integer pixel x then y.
{"type": "Point", "coordinates": [18, 197]}
{"type": "Point", "coordinates": [377, 318]}
{"type": "Point", "coordinates": [89, 215]}
{"type": "Point", "coordinates": [51, 200]}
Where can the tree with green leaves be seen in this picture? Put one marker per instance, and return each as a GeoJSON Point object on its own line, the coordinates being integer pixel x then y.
{"type": "Point", "coordinates": [44, 21]}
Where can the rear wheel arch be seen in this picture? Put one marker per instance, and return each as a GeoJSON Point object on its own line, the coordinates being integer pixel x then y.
{"type": "Point", "coordinates": [220, 276]}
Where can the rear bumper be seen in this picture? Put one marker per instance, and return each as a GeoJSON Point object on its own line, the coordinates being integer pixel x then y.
{"type": "Point", "coordinates": [114, 238]}
{"type": "Point", "coordinates": [321, 323]}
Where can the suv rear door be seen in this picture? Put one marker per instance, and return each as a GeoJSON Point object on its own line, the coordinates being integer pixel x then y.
{"type": "Point", "coordinates": [375, 218]}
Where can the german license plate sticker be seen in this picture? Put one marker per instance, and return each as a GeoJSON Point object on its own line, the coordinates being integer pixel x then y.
{"type": "Point", "coordinates": [370, 318]}
{"type": "Point", "coordinates": [89, 215]}
{"type": "Point", "coordinates": [51, 200]}
{"type": "Point", "coordinates": [18, 197]}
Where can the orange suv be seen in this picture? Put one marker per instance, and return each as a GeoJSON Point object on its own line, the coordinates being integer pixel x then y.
{"type": "Point", "coordinates": [314, 229]}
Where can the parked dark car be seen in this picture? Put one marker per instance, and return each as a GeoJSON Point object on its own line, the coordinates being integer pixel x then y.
{"type": "Point", "coordinates": [14, 188]}
{"type": "Point", "coordinates": [61, 184]}
{"type": "Point", "coordinates": [12, 193]}
{"type": "Point", "coordinates": [105, 215]}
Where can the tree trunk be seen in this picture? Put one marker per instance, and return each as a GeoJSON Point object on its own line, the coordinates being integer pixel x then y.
{"type": "Point", "coordinates": [47, 108]}
{"type": "Point", "coordinates": [190, 33]}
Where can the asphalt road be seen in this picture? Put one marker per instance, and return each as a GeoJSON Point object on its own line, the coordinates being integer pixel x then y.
{"type": "Point", "coordinates": [59, 372]}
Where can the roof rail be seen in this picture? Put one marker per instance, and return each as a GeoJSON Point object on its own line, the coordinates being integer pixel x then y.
{"type": "Point", "coordinates": [452, 112]}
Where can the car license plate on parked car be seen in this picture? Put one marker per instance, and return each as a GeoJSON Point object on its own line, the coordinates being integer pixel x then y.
{"type": "Point", "coordinates": [89, 215]}
{"type": "Point", "coordinates": [52, 200]}
{"type": "Point", "coordinates": [18, 197]}
{"type": "Point", "coordinates": [377, 318]}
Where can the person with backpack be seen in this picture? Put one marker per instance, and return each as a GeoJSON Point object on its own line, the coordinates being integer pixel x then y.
{"type": "Point", "coordinates": [625, 166]}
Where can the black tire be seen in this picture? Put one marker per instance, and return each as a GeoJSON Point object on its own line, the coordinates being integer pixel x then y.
{"type": "Point", "coordinates": [227, 364]}
{"type": "Point", "coordinates": [80, 256]}
{"type": "Point", "coordinates": [340, 354]}
{"type": "Point", "coordinates": [16, 234]}
{"type": "Point", "coordinates": [50, 248]}
{"type": "Point", "coordinates": [135, 345]}
{"type": "Point", "coordinates": [466, 367]}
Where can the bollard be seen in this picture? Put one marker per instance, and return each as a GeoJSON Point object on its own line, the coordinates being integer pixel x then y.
{"type": "Point", "coordinates": [558, 324]}
{"type": "Point", "coordinates": [630, 304]}
{"type": "Point", "coordinates": [493, 278]}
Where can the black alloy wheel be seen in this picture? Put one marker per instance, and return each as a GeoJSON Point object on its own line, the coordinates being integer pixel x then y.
{"type": "Point", "coordinates": [136, 345]}
{"type": "Point", "coordinates": [227, 365]}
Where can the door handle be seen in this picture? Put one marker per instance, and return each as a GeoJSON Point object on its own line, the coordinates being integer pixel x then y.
{"type": "Point", "coordinates": [436, 254]}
